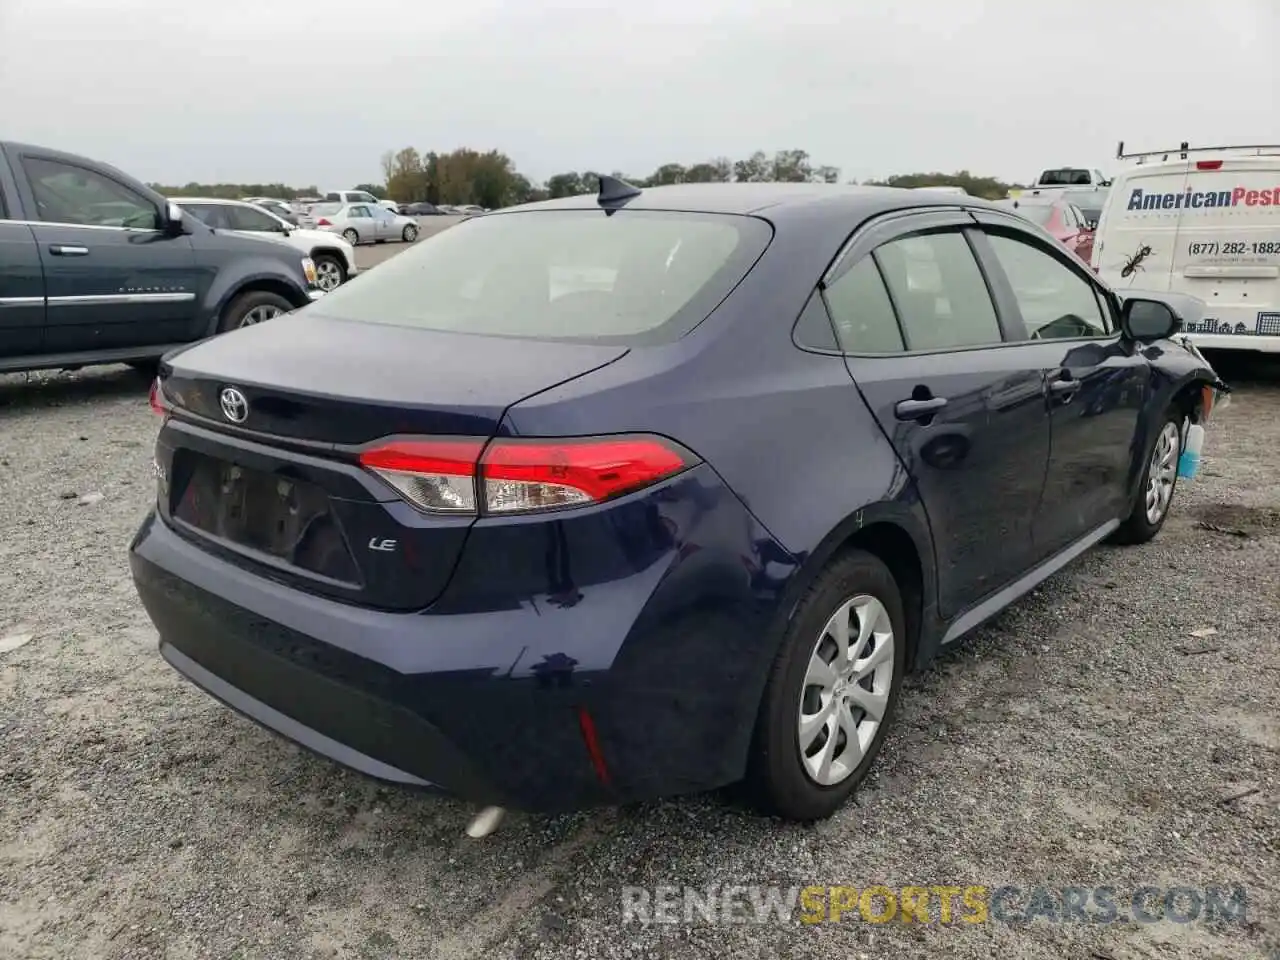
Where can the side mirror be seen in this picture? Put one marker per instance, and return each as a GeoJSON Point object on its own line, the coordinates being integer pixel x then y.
{"type": "Point", "coordinates": [173, 220]}
{"type": "Point", "coordinates": [1147, 320]}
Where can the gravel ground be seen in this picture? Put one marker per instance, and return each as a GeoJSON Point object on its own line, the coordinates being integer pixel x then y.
{"type": "Point", "coordinates": [1082, 738]}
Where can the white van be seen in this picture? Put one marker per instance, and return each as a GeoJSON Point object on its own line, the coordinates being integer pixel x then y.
{"type": "Point", "coordinates": [1206, 222]}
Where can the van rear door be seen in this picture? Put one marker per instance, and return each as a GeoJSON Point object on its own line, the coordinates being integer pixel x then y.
{"type": "Point", "coordinates": [1228, 254]}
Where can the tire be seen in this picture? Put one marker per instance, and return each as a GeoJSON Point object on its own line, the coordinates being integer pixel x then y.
{"type": "Point", "coordinates": [1144, 522]}
{"type": "Point", "coordinates": [253, 306]}
{"type": "Point", "coordinates": [409, 234]}
{"type": "Point", "coordinates": [331, 272]}
{"type": "Point", "coordinates": [351, 236]}
{"type": "Point", "coordinates": [783, 778]}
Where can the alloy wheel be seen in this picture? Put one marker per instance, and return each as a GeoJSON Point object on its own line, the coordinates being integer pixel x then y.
{"type": "Point", "coordinates": [846, 690]}
{"type": "Point", "coordinates": [1161, 472]}
{"type": "Point", "coordinates": [260, 314]}
{"type": "Point", "coordinates": [328, 275]}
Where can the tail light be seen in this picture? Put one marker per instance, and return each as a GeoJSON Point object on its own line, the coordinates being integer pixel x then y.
{"type": "Point", "coordinates": [1208, 164]}
{"type": "Point", "coordinates": [506, 476]}
{"type": "Point", "coordinates": [322, 222]}
{"type": "Point", "coordinates": [156, 399]}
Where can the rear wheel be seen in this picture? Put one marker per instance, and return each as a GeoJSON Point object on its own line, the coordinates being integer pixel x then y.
{"type": "Point", "coordinates": [254, 306]}
{"type": "Point", "coordinates": [832, 691]}
{"type": "Point", "coordinates": [1159, 480]}
{"type": "Point", "coordinates": [331, 272]}
{"type": "Point", "coordinates": [351, 236]}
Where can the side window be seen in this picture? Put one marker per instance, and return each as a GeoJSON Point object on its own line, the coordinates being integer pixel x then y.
{"type": "Point", "coordinates": [246, 218]}
{"type": "Point", "coordinates": [1055, 301]}
{"type": "Point", "coordinates": [360, 212]}
{"type": "Point", "coordinates": [862, 312]}
{"type": "Point", "coordinates": [938, 289]}
{"type": "Point", "coordinates": [66, 193]}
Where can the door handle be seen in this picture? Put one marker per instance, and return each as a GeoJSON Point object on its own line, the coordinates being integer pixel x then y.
{"type": "Point", "coordinates": [1064, 382]}
{"type": "Point", "coordinates": [63, 250]}
{"type": "Point", "coordinates": [1064, 385]}
{"type": "Point", "coordinates": [918, 409]}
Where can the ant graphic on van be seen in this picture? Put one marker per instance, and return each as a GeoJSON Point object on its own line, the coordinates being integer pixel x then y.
{"type": "Point", "coordinates": [1134, 263]}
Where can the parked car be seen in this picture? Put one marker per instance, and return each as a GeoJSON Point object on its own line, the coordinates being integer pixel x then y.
{"type": "Point", "coordinates": [96, 267]}
{"type": "Point", "coordinates": [1065, 221]}
{"type": "Point", "coordinates": [279, 208]}
{"type": "Point", "coordinates": [547, 550]}
{"type": "Point", "coordinates": [350, 196]}
{"type": "Point", "coordinates": [334, 257]}
{"type": "Point", "coordinates": [422, 209]}
{"type": "Point", "coordinates": [1203, 222]}
{"type": "Point", "coordinates": [364, 223]}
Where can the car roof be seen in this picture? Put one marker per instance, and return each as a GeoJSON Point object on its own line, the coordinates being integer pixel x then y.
{"type": "Point", "coordinates": [783, 201]}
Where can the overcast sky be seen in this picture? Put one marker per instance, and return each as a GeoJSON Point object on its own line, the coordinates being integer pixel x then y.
{"type": "Point", "coordinates": [313, 91]}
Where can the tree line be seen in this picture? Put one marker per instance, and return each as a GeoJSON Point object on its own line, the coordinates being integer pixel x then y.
{"type": "Point", "coordinates": [490, 179]}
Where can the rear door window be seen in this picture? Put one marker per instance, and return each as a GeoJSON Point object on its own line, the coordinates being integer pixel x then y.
{"type": "Point", "coordinates": [939, 292]}
{"type": "Point", "coordinates": [637, 276]}
{"type": "Point", "coordinates": [862, 311]}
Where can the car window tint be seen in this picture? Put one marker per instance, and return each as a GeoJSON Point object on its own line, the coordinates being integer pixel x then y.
{"type": "Point", "coordinates": [1055, 301]}
{"type": "Point", "coordinates": [66, 193]}
{"type": "Point", "coordinates": [247, 218]}
{"type": "Point", "coordinates": [862, 312]}
{"type": "Point", "coordinates": [638, 276]}
{"type": "Point", "coordinates": [941, 297]}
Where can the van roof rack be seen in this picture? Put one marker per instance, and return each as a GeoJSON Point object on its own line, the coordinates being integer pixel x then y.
{"type": "Point", "coordinates": [1184, 148]}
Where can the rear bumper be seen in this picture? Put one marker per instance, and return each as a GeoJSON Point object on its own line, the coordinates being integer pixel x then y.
{"type": "Point", "coordinates": [487, 701]}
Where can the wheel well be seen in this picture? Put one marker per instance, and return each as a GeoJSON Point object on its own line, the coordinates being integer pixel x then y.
{"type": "Point", "coordinates": [333, 252]}
{"type": "Point", "coordinates": [894, 547]}
{"type": "Point", "coordinates": [269, 286]}
{"type": "Point", "coordinates": [1189, 400]}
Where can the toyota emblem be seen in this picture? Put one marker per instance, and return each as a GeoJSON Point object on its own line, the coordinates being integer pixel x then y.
{"type": "Point", "coordinates": [234, 406]}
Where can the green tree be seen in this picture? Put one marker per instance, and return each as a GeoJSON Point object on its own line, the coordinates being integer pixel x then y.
{"type": "Point", "coordinates": [667, 174]}
{"type": "Point", "coordinates": [565, 185]}
{"type": "Point", "coordinates": [719, 170]}
{"type": "Point", "coordinates": [755, 169]}
{"type": "Point", "coordinates": [377, 189]}
{"type": "Point", "coordinates": [791, 166]}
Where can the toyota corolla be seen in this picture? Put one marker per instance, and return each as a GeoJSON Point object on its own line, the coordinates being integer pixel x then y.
{"type": "Point", "coordinates": [649, 492]}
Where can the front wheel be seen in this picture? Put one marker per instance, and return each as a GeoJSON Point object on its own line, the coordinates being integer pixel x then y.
{"type": "Point", "coordinates": [255, 306]}
{"type": "Point", "coordinates": [331, 272]}
{"type": "Point", "coordinates": [832, 691]}
{"type": "Point", "coordinates": [1159, 480]}
{"type": "Point", "coordinates": [410, 233]}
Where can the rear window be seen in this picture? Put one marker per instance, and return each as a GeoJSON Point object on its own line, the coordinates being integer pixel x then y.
{"type": "Point", "coordinates": [634, 276]}
{"type": "Point", "coordinates": [1065, 177]}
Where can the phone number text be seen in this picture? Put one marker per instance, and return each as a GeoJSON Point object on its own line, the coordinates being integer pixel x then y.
{"type": "Point", "coordinates": [1234, 249]}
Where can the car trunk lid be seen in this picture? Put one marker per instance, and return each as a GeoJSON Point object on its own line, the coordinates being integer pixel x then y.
{"type": "Point", "coordinates": [275, 485]}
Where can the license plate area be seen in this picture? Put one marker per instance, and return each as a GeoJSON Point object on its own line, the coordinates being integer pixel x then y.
{"type": "Point", "coordinates": [276, 515]}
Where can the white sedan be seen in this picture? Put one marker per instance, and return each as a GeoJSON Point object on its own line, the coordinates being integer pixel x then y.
{"type": "Point", "coordinates": [334, 257]}
{"type": "Point", "coordinates": [363, 222]}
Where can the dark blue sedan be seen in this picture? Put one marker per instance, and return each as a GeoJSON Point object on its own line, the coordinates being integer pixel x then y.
{"type": "Point", "coordinates": [650, 492]}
